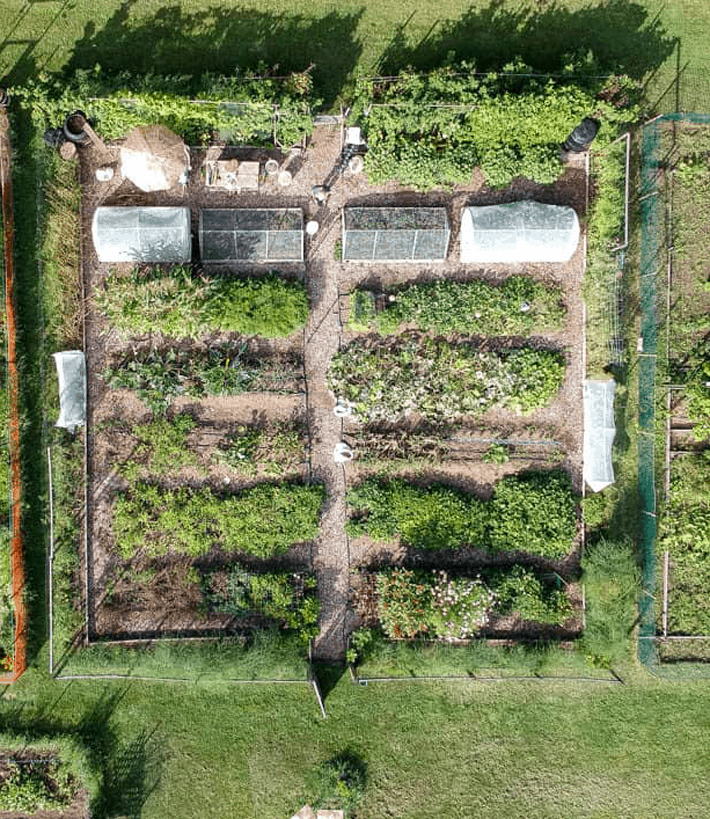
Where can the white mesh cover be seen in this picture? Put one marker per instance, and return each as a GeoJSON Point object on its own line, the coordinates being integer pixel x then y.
{"type": "Point", "coordinates": [71, 372]}
{"type": "Point", "coordinates": [142, 234]}
{"type": "Point", "coordinates": [519, 232]}
{"type": "Point", "coordinates": [599, 432]}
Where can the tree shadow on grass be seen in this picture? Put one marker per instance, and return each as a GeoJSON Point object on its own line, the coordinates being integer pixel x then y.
{"type": "Point", "coordinates": [222, 41]}
{"type": "Point", "coordinates": [128, 770]}
{"type": "Point", "coordinates": [617, 36]}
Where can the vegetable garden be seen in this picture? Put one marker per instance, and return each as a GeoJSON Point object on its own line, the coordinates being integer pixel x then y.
{"type": "Point", "coordinates": [210, 391]}
{"type": "Point", "coordinates": [683, 548]}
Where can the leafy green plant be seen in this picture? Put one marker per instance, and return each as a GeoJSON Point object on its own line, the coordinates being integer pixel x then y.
{"type": "Point", "coordinates": [437, 517]}
{"type": "Point", "coordinates": [241, 109]}
{"type": "Point", "coordinates": [178, 304]}
{"type": "Point", "coordinates": [160, 376]}
{"type": "Point", "coordinates": [518, 306]}
{"type": "Point", "coordinates": [160, 448]}
{"type": "Point", "coordinates": [519, 591]}
{"type": "Point", "coordinates": [434, 129]}
{"type": "Point", "coordinates": [275, 451]}
{"type": "Point", "coordinates": [496, 454]}
{"type": "Point", "coordinates": [28, 786]}
{"type": "Point", "coordinates": [535, 513]}
{"type": "Point", "coordinates": [264, 520]}
{"type": "Point", "coordinates": [385, 380]}
{"type": "Point", "coordinates": [288, 599]}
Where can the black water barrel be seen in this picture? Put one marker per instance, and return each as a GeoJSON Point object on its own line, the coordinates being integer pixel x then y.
{"type": "Point", "coordinates": [74, 127]}
{"type": "Point", "coordinates": [4, 98]}
{"type": "Point", "coordinates": [583, 135]}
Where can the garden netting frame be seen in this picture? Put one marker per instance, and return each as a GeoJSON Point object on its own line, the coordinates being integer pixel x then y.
{"type": "Point", "coordinates": [395, 234]}
{"type": "Point", "coordinates": [158, 235]}
{"type": "Point", "coordinates": [257, 235]}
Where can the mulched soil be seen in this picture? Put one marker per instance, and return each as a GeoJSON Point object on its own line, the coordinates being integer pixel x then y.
{"type": "Point", "coordinates": [328, 280]}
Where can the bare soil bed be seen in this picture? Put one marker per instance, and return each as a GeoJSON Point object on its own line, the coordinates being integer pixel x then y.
{"type": "Point", "coordinates": [328, 281]}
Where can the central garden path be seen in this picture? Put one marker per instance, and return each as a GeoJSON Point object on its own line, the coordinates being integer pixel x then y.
{"type": "Point", "coordinates": [322, 339]}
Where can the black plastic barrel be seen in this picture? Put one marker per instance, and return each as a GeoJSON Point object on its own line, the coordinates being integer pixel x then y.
{"type": "Point", "coordinates": [4, 98]}
{"type": "Point", "coordinates": [582, 137]}
{"type": "Point", "coordinates": [74, 128]}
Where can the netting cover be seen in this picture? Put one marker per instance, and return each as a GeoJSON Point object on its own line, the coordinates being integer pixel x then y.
{"type": "Point", "coordinates": [71, 372]}
{"type": "Point", "coordinates": [251, 235]}
{"type": "Point", "coordinates": [599, 432]}
{"type": "Point", "coordinates": [154, 158]}
{"type": "Point", "coordinates": [142, 234]}
{"type": "Point", "coordinates": [519, 232]}
{"type": "Point", "coordinates": [395, 234]}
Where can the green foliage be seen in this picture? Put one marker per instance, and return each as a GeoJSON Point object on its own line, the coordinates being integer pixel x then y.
{"type": "Point", "coordinates": [362, 310]}
{"type": "Point", "coordinates": [437, 517]}
{"type": "Point", "coordinates": [496, 454]}
{"type": "Point", "coordinates": [685, 532]}
{"type": "Point", "coordinates": [533, 513]}
{"type": "Point", "coordinates": [240, 109]}
{"type": "Point", "coordinates": [275, 451]}
{"type": "Point", "coordinates": [442, 607]}
{"type": "Point", "coordinates": [385, 380]}
{"type": "Point", "coordinates": [337, 784]}
{"type": "Point", "coordinates": [160, 448]}
{"type": "Point", "coordinates": [611, 582]}
{"type": "Point", "coordinates": [178, 304]}
{"type": "Point", "coordinates": [158, 376]}
{"type": "Point", "coordinates": [434, 129]}
{"type": "Point", "coordinates": [289, 599]}
{"type": "Point", "coordinates": [263, 521]}
{"type": "Point", "coordinates": [34, 785]}
{"type": "Point", "coordinates": [518, 306]}
{"type": "Point", "coordinates": [696, 381]}
{"type": "Point", "coordinates": [519, 591]}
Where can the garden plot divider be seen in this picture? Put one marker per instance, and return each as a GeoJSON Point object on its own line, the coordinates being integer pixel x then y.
{"type": "Point", "coordinates": [655, 263]}
{"type": "Point", "coordinates": [17, 556]}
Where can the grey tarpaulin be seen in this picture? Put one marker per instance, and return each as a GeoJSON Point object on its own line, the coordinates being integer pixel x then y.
{"type": "Point", "coordinates": [519, 232]}
{"type": "Point", "coordinates": [71, 372]}
{"type": "Point", "coordinates": [599, 432]}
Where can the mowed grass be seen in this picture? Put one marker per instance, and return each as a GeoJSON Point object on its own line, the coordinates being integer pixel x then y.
{"type": "Point", "coordinates": [644, 38]}
{"type": "Point", "coordinates": [456, 750]}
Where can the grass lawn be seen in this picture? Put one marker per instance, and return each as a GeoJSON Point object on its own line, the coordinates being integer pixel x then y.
{"type": "Point", "coordinates": [453, 750]}
{"type": "Point", "coordinates": [640, 37]}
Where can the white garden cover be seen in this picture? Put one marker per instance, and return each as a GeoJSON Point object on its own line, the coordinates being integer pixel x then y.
{"type": "Point", "coordinates": [142, 234]}
{"type": "Point", "coordinates": [71, 372]}
{"type": "Point", "coordinates": [519, 232]}
{"type": "Point", "coordinates": [599, 432]}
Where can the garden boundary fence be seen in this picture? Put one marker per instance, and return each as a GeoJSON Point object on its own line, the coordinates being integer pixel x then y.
{"type": "Point", "coordinates": [13, 385]}
{"type": "Point", "coordinates": [654, 261]}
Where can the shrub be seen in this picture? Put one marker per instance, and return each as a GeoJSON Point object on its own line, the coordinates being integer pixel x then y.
{"type": "Point", "coordinates": [385, 380]}
{"type": "Point", "coordinates": [263, 521]}
{"type": "Point", "coordinates": [177, 304]}
{"type": "Point", "coordinates": [534, 513]}
{"type": "Point", "coordinates": [337, 784]}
